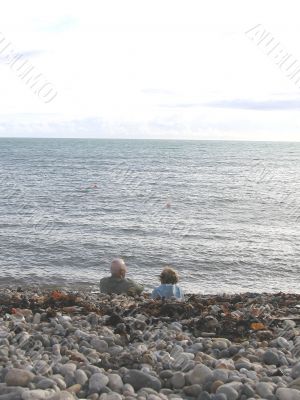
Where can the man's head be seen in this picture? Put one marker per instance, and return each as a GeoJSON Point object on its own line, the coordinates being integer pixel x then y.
{"type": "Point", "coordinates": [118, 268]}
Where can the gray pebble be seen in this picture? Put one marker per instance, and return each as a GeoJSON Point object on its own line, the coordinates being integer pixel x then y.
{"type": "Point", "coordinates": [288, 394]}
{"type": "Point", "coordinates": [229, 391]}
{"type": "Point", "coordinates": [199, 374]}
{"type": "Point", "coordinates": [193, 390]}
{"type": "Point", "coordinates": [220, 396]}
{"type": "Point", "coordinates": [97, 382]}
{"type": "Point", "coordinates": [139, 379]}
{"type": "Point", "coordinates": [295, 373]}
{"type": "Point", "coordinates": [270, 357]}
{"type": "Point", "coordinates": [100, 345]}
{"type": "Point", "coordinates": [178, 380]}
{"type": "Point", "coordinates": [80, 377]}
{"type": "Point", "coordinates": [204, 396]}
{"type": "Point", "coordinates": [115, 383]}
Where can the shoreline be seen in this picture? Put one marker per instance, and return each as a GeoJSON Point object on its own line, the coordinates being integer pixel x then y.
{"type": "Point", "coordinates": [58, 344]}
{"type": "Point", "coordinates": [87, 287]}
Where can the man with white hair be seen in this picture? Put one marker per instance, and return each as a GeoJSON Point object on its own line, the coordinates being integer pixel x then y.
{"type": "Point", "coordinates": [117, 283]}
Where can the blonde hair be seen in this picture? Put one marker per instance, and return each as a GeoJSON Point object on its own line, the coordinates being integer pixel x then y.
{"type": "Point", "coordinates": [169, 275]}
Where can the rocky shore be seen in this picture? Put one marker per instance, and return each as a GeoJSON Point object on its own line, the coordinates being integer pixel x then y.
{"type": "Point", "coordinates": [65, 345]}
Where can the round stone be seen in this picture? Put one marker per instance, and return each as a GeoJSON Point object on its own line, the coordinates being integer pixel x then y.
{"type": "Point", "coordinates": [248, 391]}
{"type": "Point", "coordinates": [220, 375]}
{"type": "Point", "coordinates": [229, 391]}
{"type": "Point", "coordinates": [288, 394]}
{"type": "Point", "coordinates": [215, 385]}
{"type": "Point", "coordinates": [200, 374]}
{"type": "Point", "coordinates": [68, 369]}
{"type": "Point", "coordinates": [127, 388]}
{"type": "Point", "coordinates": [115, 382]}
{"type": "Point", "coordinates": [270, 357]}
{"type": "Point", "coordinates": [110, 396]}
{"type": "Point", "coordinates": [178, 380]}
{"type": "Point", "coordinates": [296, 371]}
{"type": "Point", "coordinates": [204, 396]}
{"type": "Point", "coordinates": [81, 377]}
{"type": "Point", "coordinates": [283, 343]}
{"type": "Point", "coordinates": [220, 344]}
{"type": "Point", "coordinates": [243, 363]}
{"type": "Point", "coordinates": [62, 396]}
{"type": "Point", "coordinates": [36, 394]}
{"type": "Point", "coordinates": [97, 382]}
{"type": "Point", "coordinates": [18, 377]}
{"type": "Point", "coordinates": [166, 374]}
{"type": "Point", "coordinates": [45, 383]}
{"type": "Point", "coordinates": [295, 384]}
{"type": "Point", "coordinates": [192, 390]}
{"type": "Point", "coordinates": [74, 388]}
{"type": "Point", "coordinates": [264, 389]}
{"type": "Point", "coordinates": [100, 345]}
{"type": "Point", "coordinates": [220, 396]}
{"type": "Point", "coordinates": [195, 348]}
{"type": "Point", "coordinates": [139, 380]}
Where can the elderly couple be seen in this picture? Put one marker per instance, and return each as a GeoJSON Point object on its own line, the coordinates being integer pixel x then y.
{"type": "Point", "coordinates": [118, 284]}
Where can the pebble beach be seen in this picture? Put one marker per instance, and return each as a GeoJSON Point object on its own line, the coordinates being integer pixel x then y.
{"type": "Point", "coordinates": [62, 345]}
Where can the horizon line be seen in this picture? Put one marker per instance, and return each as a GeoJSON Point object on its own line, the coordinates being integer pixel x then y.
{"type": "Point", "coordinates": [156, 139]}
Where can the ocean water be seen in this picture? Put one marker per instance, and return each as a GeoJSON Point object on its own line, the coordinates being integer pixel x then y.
{"type": "Point", "coordinates": [224, 214]}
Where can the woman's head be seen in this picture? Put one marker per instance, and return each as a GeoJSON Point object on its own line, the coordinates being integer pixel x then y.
{"type": "Point", "coordinates": [169, 275]}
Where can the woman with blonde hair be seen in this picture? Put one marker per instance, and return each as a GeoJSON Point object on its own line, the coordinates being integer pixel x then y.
{"type": "Point", "coordinates": [168, 288]}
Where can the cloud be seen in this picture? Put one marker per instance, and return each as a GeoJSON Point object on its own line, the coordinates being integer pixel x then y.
{"type": "Point", "coordinates": [203, 126]}
{"type": "Point", "coordinates": [27, 54]}
{"type": "Point", "coordinates": [263, 105]}
{"type": "Point", "coordinates": [146, 72]}
{"type": "Point", "coordinates": [24, 125]}
{"type": "Point", "coordinates": [181, 105]}
{"type": "Point", "coordinates": [156, 91]}
{"type": "Point", "coordinates": [62, 24]}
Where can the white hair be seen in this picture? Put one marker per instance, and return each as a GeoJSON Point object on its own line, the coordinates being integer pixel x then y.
{"type": "Point", "coordinates": [117, 265]}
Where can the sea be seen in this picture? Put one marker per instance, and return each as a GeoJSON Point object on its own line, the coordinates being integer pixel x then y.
{"type": "Point", "coordinates": [224, 214]}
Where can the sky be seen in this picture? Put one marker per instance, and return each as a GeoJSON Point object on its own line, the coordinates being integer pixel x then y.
{"type": "Point", "coordinates": [178, 69]}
